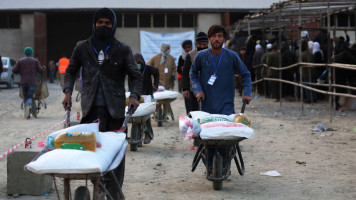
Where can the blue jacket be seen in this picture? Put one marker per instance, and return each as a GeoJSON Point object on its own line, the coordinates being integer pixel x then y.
{"type": "Point", "coordinates": [219, 97]}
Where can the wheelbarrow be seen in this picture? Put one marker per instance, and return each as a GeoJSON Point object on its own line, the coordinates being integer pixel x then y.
{"type": "Point", "coordinates": [163, 110]}
{"type": "Point", "coordinates": [141, 125]}
{"type": "Point", "coordinates": [99, 190]}
{"type": "Point", "coordinates": [218, 166]}
{"type": "Point", "coordinates": [138, 131]}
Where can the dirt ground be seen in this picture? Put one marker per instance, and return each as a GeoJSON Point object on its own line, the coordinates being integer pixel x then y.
{"type": "Point", "coordinates": [312, 165]}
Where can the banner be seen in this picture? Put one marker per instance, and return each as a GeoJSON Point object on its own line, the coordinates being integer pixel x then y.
{"type": "Point", "coordinates": [150, 43]}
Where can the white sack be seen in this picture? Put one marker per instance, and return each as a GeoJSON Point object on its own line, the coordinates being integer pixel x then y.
{"type": "Point", "coordinates": [223, 133]}
{"type": "Point", "coordinates": [144, 109]}
{"type": "Point", "coordinates": [70, 161]}
{"type": "Point", "coordinates": [167, 94]}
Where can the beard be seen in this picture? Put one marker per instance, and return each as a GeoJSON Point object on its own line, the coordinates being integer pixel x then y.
{"type": "Point", "coordinates": [216, 45]}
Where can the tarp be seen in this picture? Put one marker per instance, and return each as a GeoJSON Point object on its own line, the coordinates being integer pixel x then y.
{"type": "Point", "coordinates": [150, 43]}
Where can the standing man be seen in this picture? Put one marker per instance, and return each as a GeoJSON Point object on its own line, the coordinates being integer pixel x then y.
{"type": "Point", "coordinates": [166, 66]}
{"type": "Point", "coordinates": [28, 67]}
{"type": "Point", "coordinates": [273, 61]}
{"type": "Point", "coordinates": [186, 47]}
{"type": "Point", "coordinates": [52, 71]}
{"type": "Point", "coordinates": [201, 43]}
{"type": "Point", "coordinates": [62, 66]}
{"type": "Point", "coordinates": [215, 83]}
{"type": "Point", "coordinates": [217, 66]}
{"type": "Point", "coordinates": [105, 62]}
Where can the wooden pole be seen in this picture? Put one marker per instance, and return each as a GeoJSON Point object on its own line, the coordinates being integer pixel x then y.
{"type": "Point", "coordinates": [300, 59]}
{"type": "Point", "coordinates": [329, 74]}
{"type": "Point", "coordinates": [280, 53]}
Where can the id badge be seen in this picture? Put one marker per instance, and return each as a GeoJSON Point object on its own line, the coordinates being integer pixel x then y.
{"type": "Point", "coordinates": [212, 79]}
{"type": "Point", "coordinates": [166, 70]}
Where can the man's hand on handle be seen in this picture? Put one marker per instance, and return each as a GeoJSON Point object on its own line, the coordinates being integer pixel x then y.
{"type": "Point", "coordinates": [186, 94]}
{"type": "Point", "coordinates": [247, 99]}
{"type": "Point", "coordinates": [67, 101]}
{"type": "Point", "coordinates": [133, 101]}
{"type": "Point", "coordinates": [200, 96]}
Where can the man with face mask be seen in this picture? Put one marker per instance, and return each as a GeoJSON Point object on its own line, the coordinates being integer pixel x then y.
{"type": "Point", "coordinates": [105, 62]}
{"type": "Point", "coordinates": [191, 104]}
{"type": "Point", "coordinates": [147, 72]}
{"type": "Point", "coordinates": [166, 66]}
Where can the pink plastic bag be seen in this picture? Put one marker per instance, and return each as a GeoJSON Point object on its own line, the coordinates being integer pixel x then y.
{"type": "Point", "coordinates": [188, 127]}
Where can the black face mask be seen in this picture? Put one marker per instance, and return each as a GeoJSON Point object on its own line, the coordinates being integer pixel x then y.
{"type": "Point", "coordinates": [103, 32]}
{"type": "Point", "coordinates": [199, 49]}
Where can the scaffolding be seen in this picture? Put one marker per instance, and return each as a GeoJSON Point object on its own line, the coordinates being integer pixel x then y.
{"type": "Point", "coordinates": [295, 15]}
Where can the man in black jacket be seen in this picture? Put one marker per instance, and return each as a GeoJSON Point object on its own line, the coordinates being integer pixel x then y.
{"type": "Point", "coordinates": [147, 89]}
{"type": "Point", "coordinates": [105, 62]}
{"type": "Point", "coordinates": [191, 104]}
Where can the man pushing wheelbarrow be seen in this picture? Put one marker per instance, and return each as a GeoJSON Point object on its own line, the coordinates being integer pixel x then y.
{"type": "Point", "coordinates": [212, 78]}
{"type": "Point", "coordinates": [105, 62]}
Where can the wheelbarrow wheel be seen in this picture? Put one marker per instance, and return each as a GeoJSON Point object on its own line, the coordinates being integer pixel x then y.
{"type": "Point", "coordinates": [217, 171]}
{"type": "Point", "coordinates": [133, 147]}
{"type": "Point", "coordinates": [160, 117]}
{"type": "Point", "coordinates": [135, 136]}
{"type": "Point", "coordinates": [34, 109]}
{"type": "Point", "coordinates": [82, 193]}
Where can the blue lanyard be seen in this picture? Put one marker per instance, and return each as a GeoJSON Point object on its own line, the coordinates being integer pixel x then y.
{"type": "Point", "coordinates": [144, 70]}
{"type": "Point", "coordinates": [216, 68]}
{"type": "Point", "coordinates": [105, 49]}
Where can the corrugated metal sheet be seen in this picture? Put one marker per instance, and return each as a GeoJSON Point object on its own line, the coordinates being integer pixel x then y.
{"type": "Point", "coordinates": [135, 4]}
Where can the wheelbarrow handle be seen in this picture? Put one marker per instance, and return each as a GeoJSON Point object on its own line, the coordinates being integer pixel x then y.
{"type": "Point", "coordinates": [127, 117]}
{"type": "Point", "coordinates": [243, 106]}
{"type": "Point", "coordinates": [68, 116]}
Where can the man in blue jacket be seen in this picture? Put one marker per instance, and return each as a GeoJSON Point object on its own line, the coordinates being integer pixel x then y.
{"type": "Point", "coordinates": [213, 81]}
{"type": "Point", "coordinates": [217, 66]}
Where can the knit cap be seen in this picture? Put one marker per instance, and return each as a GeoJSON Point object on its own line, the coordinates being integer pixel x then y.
{"type": "Point", "coordinates": [28, 51]}
{"type": "Point", "coordinates": [201, 37]}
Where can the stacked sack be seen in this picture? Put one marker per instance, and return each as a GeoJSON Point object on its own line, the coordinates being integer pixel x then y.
{"type": "Point", "coordinates": [215, 126]}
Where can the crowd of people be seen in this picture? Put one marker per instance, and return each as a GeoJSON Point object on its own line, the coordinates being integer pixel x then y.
{"type": "Point", "coordinates": [268, 50]}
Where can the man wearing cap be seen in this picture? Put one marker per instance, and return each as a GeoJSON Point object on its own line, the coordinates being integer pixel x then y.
{"type": "Point", "coordinates": [105, 62]}
{"type": "Point", "coordinates": [28, 67]}
{"type": "Point", "coordinates": [201, 43]}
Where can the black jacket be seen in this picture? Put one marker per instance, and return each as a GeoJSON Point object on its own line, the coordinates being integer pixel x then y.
{"type": "Point", "coordinates": [185, 73]}
{"type": "Point", "coordinates": [147, 72]}
{"type": "Point", "coordinates": [111, 73]}
{"type": "Point", "coordinates": [180, 65]}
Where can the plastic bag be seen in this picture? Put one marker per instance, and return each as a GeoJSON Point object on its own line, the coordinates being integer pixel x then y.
{"type": "Point", "coordinates": [189, 127]}
{"type": "Point", "coordinates": [242, 118]}
{"type": "Point", "coordinates": [93, 127]}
